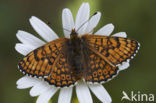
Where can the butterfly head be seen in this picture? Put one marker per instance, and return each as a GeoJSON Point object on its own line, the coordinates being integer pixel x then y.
{"type": "Point", "coordinates": [73, 33]}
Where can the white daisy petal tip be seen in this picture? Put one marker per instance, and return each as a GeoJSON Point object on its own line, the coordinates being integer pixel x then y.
{"type": "Point", "coordinates": [106, 30]}
{"type": "Point", "coordinates": [67, 22]}
{"type": "Point", "coordinates": [110, 26]}
{"type": "Point", "coordinates": [23, 49]}
{"type": "Point", "coordinates": [81, 17]}
{"type": "Point", "coordinates": [29, 39]}
{"type": "Point", "coordinates": [32, 18]}
{"type": "Point", "coordinates": [98, 13]}
{"type": "Point", "coordinates": [25, 82]}
{"type": "Point", "coordinates": [43, 29]}
{"type": "Point", "coordinates": [121, 34]}
{"type": "Point", "coordinates": [92, 23]}
{"type": "Point", "coordinates": [18, 32]}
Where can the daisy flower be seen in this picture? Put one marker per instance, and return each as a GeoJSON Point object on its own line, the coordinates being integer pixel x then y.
{"type": "Point", "coordinates": [29, 42]}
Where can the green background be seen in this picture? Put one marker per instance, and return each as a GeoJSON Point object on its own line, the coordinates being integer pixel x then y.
{"type": "Point", "coordinates": [136, 17]}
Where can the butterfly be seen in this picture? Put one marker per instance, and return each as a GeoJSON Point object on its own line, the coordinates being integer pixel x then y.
{"type": "Point", "coordinates": [65, 61]}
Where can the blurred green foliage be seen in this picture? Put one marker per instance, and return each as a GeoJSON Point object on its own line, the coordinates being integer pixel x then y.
{"type": "Point", "coordinates": [136, 17]}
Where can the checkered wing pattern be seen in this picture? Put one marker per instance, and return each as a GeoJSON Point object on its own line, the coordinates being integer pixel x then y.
{"type": "Point", "coordinates": [98, 70]}
{"type": "Point", "coordinates": [48, 62]}
{"type": "Point", "coordinates": [114, 50]}
{"type": "Point", "coordinates": [61, 76]}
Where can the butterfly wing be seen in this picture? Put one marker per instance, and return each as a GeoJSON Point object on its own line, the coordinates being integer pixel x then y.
{"type": "Point", "coordinates": [40, 61]}
{"type": "Point", "coordinates": [62, 75]}
{"type": "Point", "coordinates": [114, 50]}
{"type": "Point", "coordinates": [49, 62]}
{"type": "Point", "coordinates": [97, 69]}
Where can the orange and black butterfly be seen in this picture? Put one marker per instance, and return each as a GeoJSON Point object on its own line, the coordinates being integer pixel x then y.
{"type": "Point", "coordinates": [65, 61]}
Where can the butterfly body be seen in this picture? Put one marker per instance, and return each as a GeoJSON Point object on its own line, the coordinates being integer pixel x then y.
{"type": "Point", "coordinates": [93, 58]}
{"type": "Point", "coordinates": [75, 53]}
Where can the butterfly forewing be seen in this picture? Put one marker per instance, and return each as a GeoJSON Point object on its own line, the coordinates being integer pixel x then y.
{"type": "Point", "coordinates": [40, 61]}
{"type": "Point", "coordinates": [114, 50]}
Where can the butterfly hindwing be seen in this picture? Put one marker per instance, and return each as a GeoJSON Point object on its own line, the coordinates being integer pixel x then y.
{"type": "Point", "coordinates": [115, 50]}
{"type": "Point", "coordinates": [98, 70]}
{"type": "Point", "coordinates": [62, 75]}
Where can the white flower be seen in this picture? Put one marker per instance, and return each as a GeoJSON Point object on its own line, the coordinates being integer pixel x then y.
{"type": "Point", "coordinates": [29, 43]}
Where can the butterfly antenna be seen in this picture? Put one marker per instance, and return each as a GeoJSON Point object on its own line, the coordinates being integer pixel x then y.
{"type": "Point", "coordinates": [49, 23]}
{"type": "Point", "coordinates": [85, 22]}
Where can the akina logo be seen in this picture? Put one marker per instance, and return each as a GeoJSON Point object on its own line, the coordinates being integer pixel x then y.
{"type": "Point", "coordinates": [138, 96]}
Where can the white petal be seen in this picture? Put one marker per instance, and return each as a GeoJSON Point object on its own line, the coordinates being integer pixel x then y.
{"type": "Point", "coordinates": [83, 93]}
{"type": "Point", "coordinates": [23, 48]}
{"type": "Point", "coordinates": [93, 22]}
{"type": "Point", "coordinates": [27, 38]}
{"type": "Point", "coordinates": [100, 93]}
{"type": "Point", "coordinates": [65, 95]}
{"type": "Point", "coordinates": [120, 34]}
{"type": "Point", "coordinates": [68, 22]}
{"type": "Point", "coordinates": [39, 88]}
{"type": "Point", "coordinates": [45, 97]}
{"type": "Point", "coordinates": [26, 82]}
{"type": "Point", "coordinates": [82, 17]}
{"type": "Point", "coordinates": [105, 30]}
{"type": "Point", "coordinates": [43, 29]}
{"type": "Point", "coordinates": [124, 66]}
